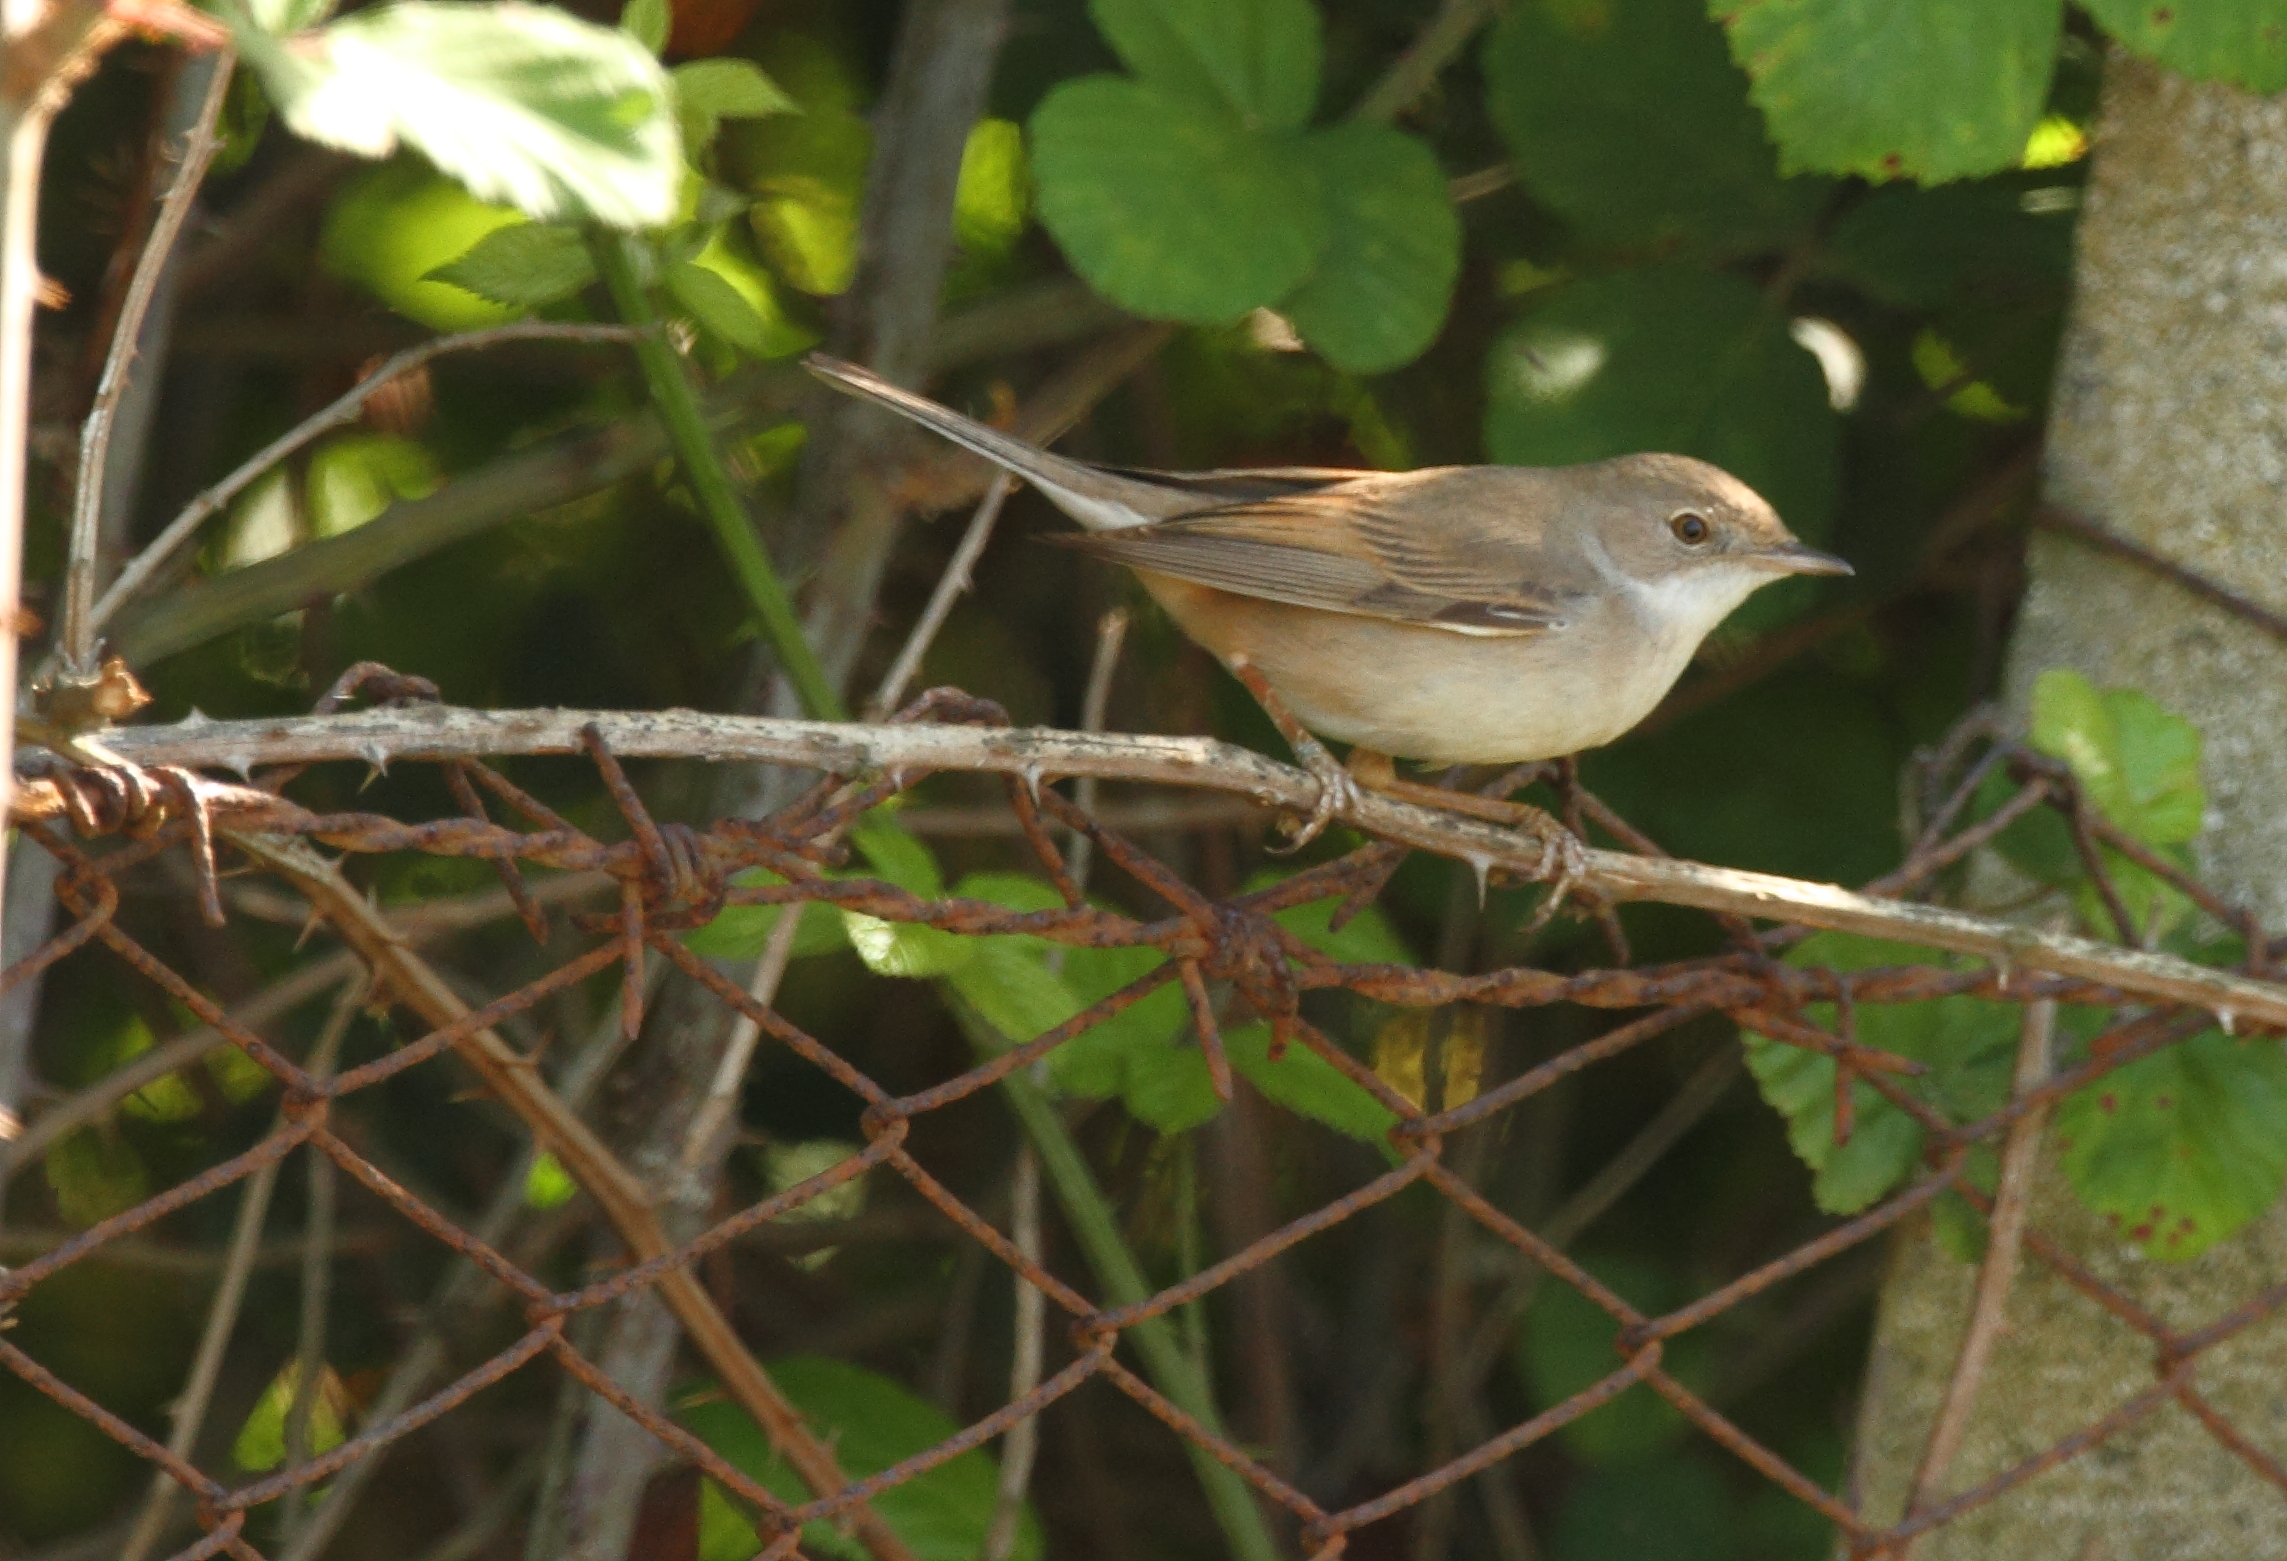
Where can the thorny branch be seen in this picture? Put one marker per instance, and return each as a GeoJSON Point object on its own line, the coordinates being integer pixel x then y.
{"type": "Point", "coordinates": [381, 737]}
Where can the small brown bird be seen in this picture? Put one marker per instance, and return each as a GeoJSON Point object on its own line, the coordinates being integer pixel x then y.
{"type": "Point", "coordinates": [1458, 614]}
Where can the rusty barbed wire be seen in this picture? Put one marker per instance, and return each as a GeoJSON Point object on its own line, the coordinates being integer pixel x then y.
{"type": "Point", "coordinates": [670, 877]}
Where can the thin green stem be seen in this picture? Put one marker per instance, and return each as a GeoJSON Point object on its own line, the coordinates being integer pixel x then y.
{"type": "Point", "coordinates": [1170, 1366]}
{"type": "Point", "coordinates": [678, 408]}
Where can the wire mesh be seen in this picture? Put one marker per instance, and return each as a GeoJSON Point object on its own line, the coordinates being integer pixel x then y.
{"type": "Point", "coordinates": [671, 878]}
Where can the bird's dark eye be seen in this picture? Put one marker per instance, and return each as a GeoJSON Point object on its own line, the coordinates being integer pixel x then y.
{"type": "Point", "coordinates": [1690, 528]}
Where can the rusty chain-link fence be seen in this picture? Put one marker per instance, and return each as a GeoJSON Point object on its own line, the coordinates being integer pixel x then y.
{"type": "Point", "coordinates": [1229, 957]}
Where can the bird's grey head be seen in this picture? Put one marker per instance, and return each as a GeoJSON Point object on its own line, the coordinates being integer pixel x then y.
{"type": "Point", "coordinates": [1669, 516]}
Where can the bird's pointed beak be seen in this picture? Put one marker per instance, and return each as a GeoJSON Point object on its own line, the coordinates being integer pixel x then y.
{"type": "Point", "coordinates": [1795, 559]}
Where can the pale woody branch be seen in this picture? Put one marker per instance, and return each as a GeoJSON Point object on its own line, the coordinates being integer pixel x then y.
{"type": "Point", "coordinates": [381, 737]}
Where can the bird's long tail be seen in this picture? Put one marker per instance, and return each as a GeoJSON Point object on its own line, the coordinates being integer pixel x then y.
{"type": "Point", "coordinates": [1097, 499]}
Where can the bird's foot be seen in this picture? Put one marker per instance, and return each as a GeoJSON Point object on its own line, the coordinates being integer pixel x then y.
{"type": "Point", "coordinates": [1337, 793]}
{"type": "Point", "coordinates": [1563, 863]}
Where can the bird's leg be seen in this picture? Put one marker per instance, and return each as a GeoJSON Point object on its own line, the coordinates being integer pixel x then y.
{"type": "Point", "coordinates": [1336, 789]}
{"type": "Point", "coordinates": [1563, 858]}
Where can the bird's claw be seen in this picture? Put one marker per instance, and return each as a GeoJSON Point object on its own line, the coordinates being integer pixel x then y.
{"type": "Point", "coordinates": [1563, 864]}
{"type": "Point", "coordinates": [1337, 792]}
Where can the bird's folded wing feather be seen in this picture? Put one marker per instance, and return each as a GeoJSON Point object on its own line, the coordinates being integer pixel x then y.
{"type": "Point", "coordinates": [1346, 554]}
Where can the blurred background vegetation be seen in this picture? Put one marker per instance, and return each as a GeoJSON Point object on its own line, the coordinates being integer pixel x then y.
{"type": "Point", "coordinates": [1571, 236]}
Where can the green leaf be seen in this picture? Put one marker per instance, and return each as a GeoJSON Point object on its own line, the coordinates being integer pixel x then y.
{"type": "Point", "coordinates": [1969, 1043]}
{"type": "Point", "coordinates": [1631, 120]}
{"type": "Point", "coordinates": [1256, 60]}
{"type": "Point", "coordinates": [94, 1174]}
{"type": "Point", "coordinates": [871, 1423]}
{"type": "Point", "coordinates": [390, 228]}
{"type": "Point", "coordinates": [707, 92]}
{"type": "Point", "coordinates": [1012, 989]}
{"type": "Point", "coordinates": [2138, 762]}
{"type": "Point", "coordinates": [1367, 938]}
{"type": "Point", "coordinates": [743, 931]}
{"type": "Point", "coordinates": [1382, 287]}
{"type": "Point", "coordinates": [1566, 1347]}
{"type": "Point", "coordinates": [897, 857]}
{"type": "Point", "coordinates": [711, 300]}
{"type": "Point", "coordinates": [2182, 1148]}
{"type": "Point", "coordinates": [993, 200]}
{"type": "Point", "coordinates": [522, 266]}
{"type": "Point", "coordinates": [896, 948]}
{"type": "Point", "coordinates": [524, 104]}
{"type": "Point", "coordinates": [1170, 212]}
{"type": "Point", "coordinates": [648, 22]}
{"type": "Point", "coordinates": [807, 174]}
{"type": "Point", "coordinates": [2243, 42]}
{"type": "Point", "coordinates": [261, 1441]}
{"type": "Point", "coordinates": [280, 17]}
{"type": "Point", "coordinates": [1923, 89]}
{"type": "Point", "coordinates": [1667, 359]}
{"type": "Point", "coordinates": [548, 1185]}
{"type": "Point", "coordinates": [1309, 1085]}
{"type": "Point", "coordinates": [354, 477]}
{"type": "Point", "coordinates": [1672, 1505]}
{"type": "Point", "coordinates": [1918, 248]}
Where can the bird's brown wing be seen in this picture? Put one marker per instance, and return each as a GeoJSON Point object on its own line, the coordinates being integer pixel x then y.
{"type": "Point", "coordinates": [1351, 549]}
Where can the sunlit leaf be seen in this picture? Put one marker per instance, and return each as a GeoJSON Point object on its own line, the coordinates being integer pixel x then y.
{"type": "Point", "coordinates": [548, 1185]}
{"type": "Point", "coordinates": [2182, 1148]}
{"type": "Point", "coordinates": [524, 104]}
{"type": "Point", "coordinates": [2137, 761]}
{"type": "Point", "coordinates": [993, 199]}
{"type": "Point", "coordinates": [1306, 1083]}
{"type": "Point", "coordinates": [807, 174]}
{"type": "Point", "coordinates": [1255, 60]}
{"type": "Point", "coordinates": [647, 22]}
{"type": "Point", "coordinates": [523, 265]}
{"type": "Point", "coordinates": [1169, 211]}
{"type": "Point", "coordinates": [1922, 89]}
{"type": "Point", "coordinates": [707, 92]}
{"type": "Point", "coordinates": [1381, 289]}
{"type": "Point", "coordinates": [390, 229]}
{"type": "Point", "coordinates": [261, 1440]}
{"type": "Point", "coordinates": [94, 1174]}
{"type": "Point", "coordinates": [354, 477]}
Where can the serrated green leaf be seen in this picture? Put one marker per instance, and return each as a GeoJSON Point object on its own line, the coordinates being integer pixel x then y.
{"type": "Point", "coordinates": [1969, 1044]}
{"type": "Point", "coordinates": [993, 199]}
{"type": "Point", "coordinates": [648, 22]}
{"type": "Point", "coordinates": [1379, 295]}
{"type": "Point", "coordinates": [807, 174]}
{"type": "Point", "coordinates": [1255, 60]}
{"type": "Point", "coordinates": [1571, 90]}
{"type": "Point", "coordinates": [871, 1423]}
{"type": "Point", "coordinates": [771, 331]}
{"type": "Point", "coordinates": [94, 1174]}
{"type": "Point", "coordinates": [1309, 1085]}
{"type": "Point", "coordinates": [2135, 760]}
{"type": "Point", "coordinates": [707, 92]}
{"type": "Point", "coordinates": [1887, 89]}
{"type": "Point", "coordinates": [2243, 42]}
{"type": "Point", "coordinates": [711, 300]}
{"type": "Point", "coordinates": [354, 477]}
{"type": "Point", "coordinates": [1667, 358]}
{"type": "Point", "coordinates": [524, 104]}
{"type": "Point", "coordinates": [1013, 990]}
{"type": "Point", "coordinates": [1169, 211]}
{"type": "Point", "coordinates": [2182, 1148]}
{"type": "Point", "coordinates": [261, 1440]}
{"type": "Point", "coordinates": [388, 229]}
{"type": "Point", "coordinates": [523, 265]}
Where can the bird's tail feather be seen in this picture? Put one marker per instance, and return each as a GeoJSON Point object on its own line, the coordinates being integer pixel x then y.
{"type": "Point", "coordinates": [1096, 499]}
